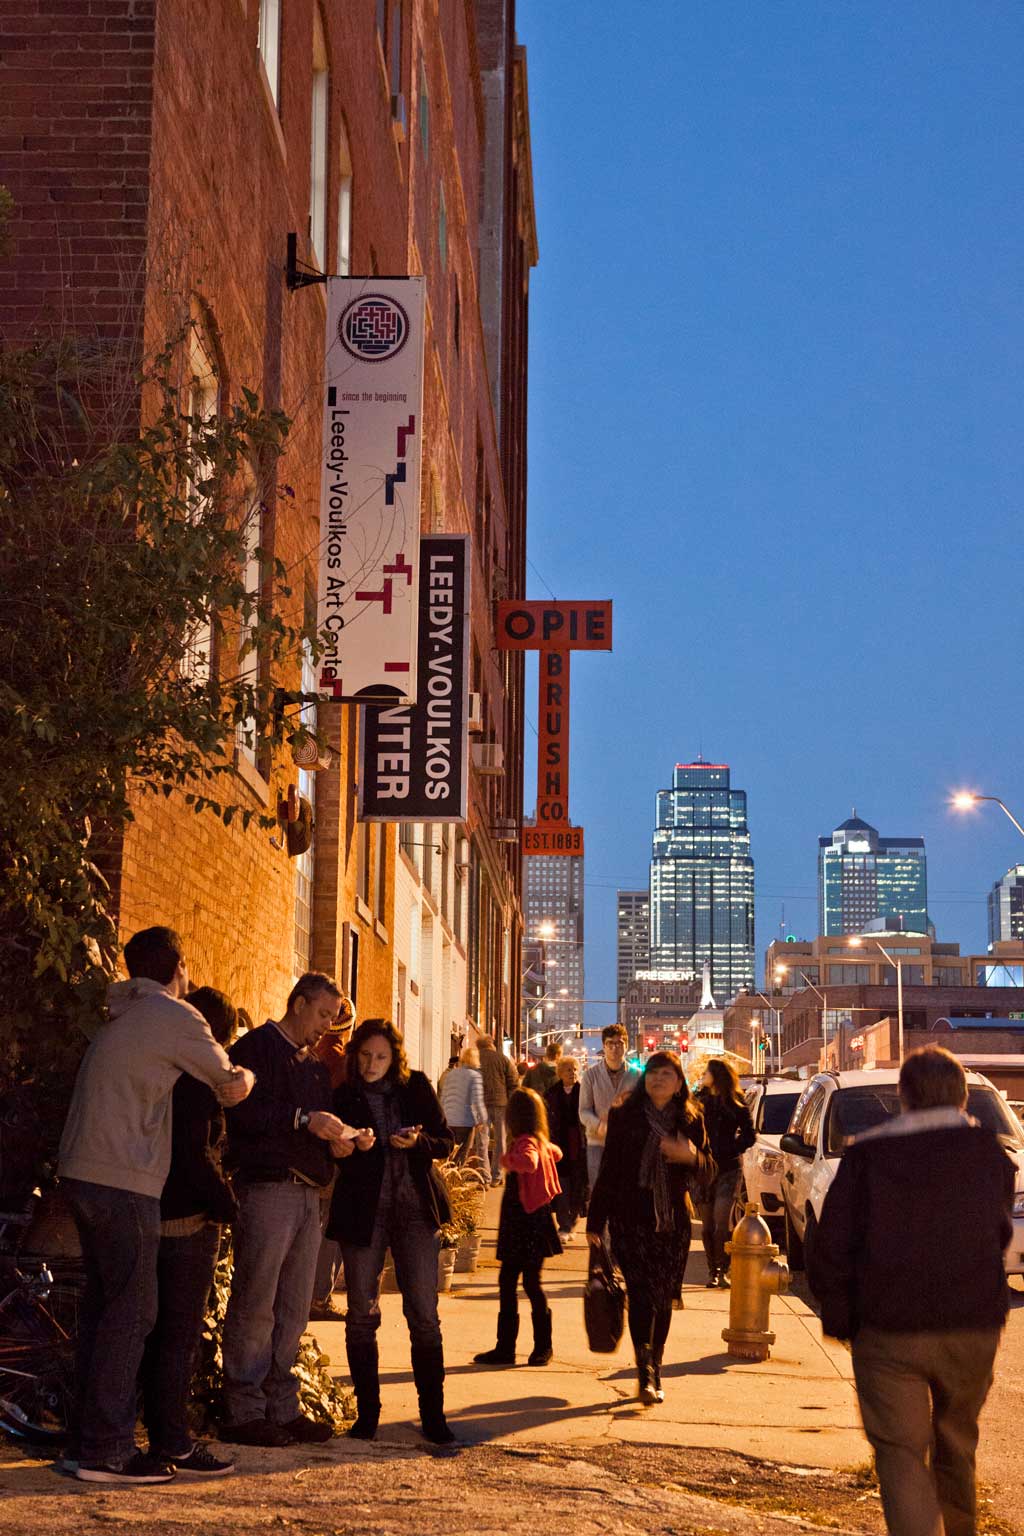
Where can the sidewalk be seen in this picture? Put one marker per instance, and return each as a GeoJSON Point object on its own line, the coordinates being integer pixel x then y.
{"type": "Point", "coordinates": [798, 1407]}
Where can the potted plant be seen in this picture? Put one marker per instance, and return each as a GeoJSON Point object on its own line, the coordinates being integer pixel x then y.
{"type": "Point", "coordinates": [460, 1236]}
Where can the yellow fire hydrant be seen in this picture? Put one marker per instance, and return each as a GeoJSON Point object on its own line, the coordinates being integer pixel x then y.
{"type": "Point", "coordinates": [757, 1273]}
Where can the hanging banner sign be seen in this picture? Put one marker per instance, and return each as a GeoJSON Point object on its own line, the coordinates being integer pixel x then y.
{"type": "Point", "coordinates": [370, 494]}
{"type": "Point", "coordinates": [415, 757]}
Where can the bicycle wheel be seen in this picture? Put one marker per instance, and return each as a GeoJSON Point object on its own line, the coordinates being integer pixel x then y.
{"type": "Point", "coordinates": [37, 1370]}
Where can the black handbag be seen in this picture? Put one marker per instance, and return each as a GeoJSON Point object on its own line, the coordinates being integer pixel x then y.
{"type": "Point", "coordinates": [604, 1303]}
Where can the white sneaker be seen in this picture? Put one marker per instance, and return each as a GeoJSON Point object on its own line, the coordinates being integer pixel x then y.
{"type": "Point", "coordinates": [567, 1238]}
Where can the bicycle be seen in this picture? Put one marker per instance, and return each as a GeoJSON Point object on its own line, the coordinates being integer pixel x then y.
{"type": "Point", "coordinates": [39, 1306]}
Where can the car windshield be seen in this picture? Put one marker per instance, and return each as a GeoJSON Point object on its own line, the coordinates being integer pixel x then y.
{"type": "Point", "coordinates": [778, 1111]}
{"type": "Point", "coordinates": [855, 1110]}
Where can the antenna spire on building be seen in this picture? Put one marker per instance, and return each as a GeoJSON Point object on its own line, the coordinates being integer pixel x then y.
{"type": "Point", "coordinates": [707, 997]}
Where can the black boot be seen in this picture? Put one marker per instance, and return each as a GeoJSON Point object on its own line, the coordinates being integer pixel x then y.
{"type": "Point", "coordinates": [646, 1390]}
{"type": "Point", "coordinates": [428, 1374]}
{"type": "Point", "coordinates": [504, 1352]}
{"type": "Point", "coordinates": [363, 1368]}
{"type": "Point", "coordinates": [541, 1353]}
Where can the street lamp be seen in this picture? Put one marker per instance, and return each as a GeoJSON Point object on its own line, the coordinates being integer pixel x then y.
{"type": "Point", "coordinates": [966, 800]}
{"type": "Point", "coordinates": [855, 943]}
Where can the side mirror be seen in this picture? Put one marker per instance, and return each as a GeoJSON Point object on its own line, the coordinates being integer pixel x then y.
{"type": "Point", "coordinates": [795, 1145]}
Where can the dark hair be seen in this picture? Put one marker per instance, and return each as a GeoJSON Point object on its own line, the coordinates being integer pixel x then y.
{"type": "Point", "coordinates": [398, 1071]}
{"type": "Point", "coordinates": [727, 1084]}
{"type": "Point", "coordinates": [218, 1010]}
{"type": "Point", "coordinates": [614, 1032]}
{"type": "Point", "coordinates": [932, 1078]}
{"type": "Point", "coordinates": [309, 984]}
{"type": "Point", "coordinates": [553, 1050]}
{"type": "Point", "coordinates": [155, 953]}
{"type": "Point", "coordinates": [526, 1115]}
{"type": "Point", "coordinates": [688, 1106]}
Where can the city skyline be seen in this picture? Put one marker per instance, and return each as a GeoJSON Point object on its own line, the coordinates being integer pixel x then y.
{"type": "Point", "coordinates": [803, 345]}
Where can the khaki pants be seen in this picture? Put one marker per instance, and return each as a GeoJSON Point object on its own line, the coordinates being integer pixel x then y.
{"type": "Point", "coordinates": [920, 1397]}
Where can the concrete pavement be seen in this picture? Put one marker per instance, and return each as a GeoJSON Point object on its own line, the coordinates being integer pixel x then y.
{"type": "Point", "coordinates": [798, 1407]}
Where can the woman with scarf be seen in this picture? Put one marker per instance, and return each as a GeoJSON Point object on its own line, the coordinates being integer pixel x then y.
{"type": "Point", "coordinates": [655, 1148]}
{"type": "Point", "coordinates": [388, 1195]}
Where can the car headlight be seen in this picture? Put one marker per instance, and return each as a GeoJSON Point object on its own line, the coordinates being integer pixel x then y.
{"type": "Point", "coordinates": [771, 1162]}
{"type": "Point", "coordinates": [1018, 1204]}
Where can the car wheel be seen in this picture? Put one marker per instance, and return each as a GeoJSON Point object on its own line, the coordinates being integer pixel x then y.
{"type": "Point", "coordinates": [738, 1212]}
{"type": "Point", "coordinates": [794, 1244]}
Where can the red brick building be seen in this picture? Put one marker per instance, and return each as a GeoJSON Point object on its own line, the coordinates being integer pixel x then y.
{"type": "Point", "coordinates": [159, 153]}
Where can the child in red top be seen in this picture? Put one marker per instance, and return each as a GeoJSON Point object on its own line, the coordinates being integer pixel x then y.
{"type": "Point", "coordinates": [527, 1234]}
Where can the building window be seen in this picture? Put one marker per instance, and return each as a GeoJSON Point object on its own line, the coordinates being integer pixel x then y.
{"type": "Point", "coordinates": [353, 967]}
{"type": "Point", "coordinates": [320, 99]}
{"type": "Point", "coordinates": [304, 862]}
{"type": "Point", "coordinates": [424, 112]}
{"type": "Point", "coordinates": [457, 319]}
{"type": "Point", "coordinates": [380, 870]}
{"type": "Point", "coordinates": [270, 44]}
{"type": "Point", "coordinates": [343, 265]}
{"type": "Point", "coordinates": [395, 51]}
{"type": "Point", "coordinates": [203, 403]}
{"type": "Point", "coordinates": [363, 852]}
{"type": "Point", "coordinates": [248, 656]}
{"type": "Point", "coordinates": [407, 838]}
{"type": "Point", "coordinates": [442, 228]}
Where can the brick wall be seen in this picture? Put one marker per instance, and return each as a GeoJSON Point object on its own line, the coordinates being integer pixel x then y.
{"type": "Point", "coordinates": [156, 184]}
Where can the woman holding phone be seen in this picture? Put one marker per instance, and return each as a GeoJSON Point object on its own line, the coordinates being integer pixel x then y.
{"type": "Point", "coordinates": [388, 1195]}
{"type": "Point", "coordinates": [656, 1147]}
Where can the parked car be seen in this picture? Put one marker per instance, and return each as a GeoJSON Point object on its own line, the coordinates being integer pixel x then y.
{"type": "Point", "coordinates": [836, 1106]}
{"type": "Point", "coordinates": [771, 1102]}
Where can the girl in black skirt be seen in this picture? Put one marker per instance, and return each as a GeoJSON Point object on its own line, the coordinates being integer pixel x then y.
{"type": "Point", "coordinates": [527, 1234]}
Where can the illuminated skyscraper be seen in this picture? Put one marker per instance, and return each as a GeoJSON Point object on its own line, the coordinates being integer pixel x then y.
{"type": "Point", "coordinates": [702, 879]}
{"type": "Point", "coordinates": [862, 876]}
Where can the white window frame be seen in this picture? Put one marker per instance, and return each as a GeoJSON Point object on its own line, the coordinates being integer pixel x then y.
{"type": "Point", "coordinates": [343, 263]}
{"type": "Point", "coordinates": [319, 145]}
{"type": "Point", "coordinates": [203, 403]}
{"type": "Point", "coordinates": [270, 45]}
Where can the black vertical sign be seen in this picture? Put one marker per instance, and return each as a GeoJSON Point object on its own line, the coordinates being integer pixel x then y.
{"type": "Point", "coordinates": [415, 756]}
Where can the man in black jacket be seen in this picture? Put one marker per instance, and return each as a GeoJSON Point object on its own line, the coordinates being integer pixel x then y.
{"type": "Point", "coordinates": [282, 1155]}
{"type": "Point", "coordinates": [908, 1264]}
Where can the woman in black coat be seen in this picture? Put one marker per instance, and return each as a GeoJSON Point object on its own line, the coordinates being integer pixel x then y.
{"type": "Point", "coordinates": [562, 1102]}
{"type": "Point", "coordinates": [655, 1147]}
{"type": "Point", "coordinates": [730, 1133]}
{"type": "Point", "coordinates": [388, 1195]}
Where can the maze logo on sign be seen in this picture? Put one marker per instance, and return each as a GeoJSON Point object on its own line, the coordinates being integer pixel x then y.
{"type": "Point", "coordinates": [373, 328]}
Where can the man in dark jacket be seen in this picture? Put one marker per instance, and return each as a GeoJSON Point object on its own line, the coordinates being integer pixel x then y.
{"type": "Point", "coordinates": [908, 1264]}
{"type": "Point", "coordinates": [195, 1204]}
{"type": "Point", "coordinates": [282, 1153]}
{"type": "Point", "coordinates": [500, 1079]}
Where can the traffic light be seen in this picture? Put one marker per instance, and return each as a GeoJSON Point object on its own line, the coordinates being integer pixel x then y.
{"type": "Point", "coordinates": [650, 1042]}
{"type": "Point", "coordinates": [684, 1042]}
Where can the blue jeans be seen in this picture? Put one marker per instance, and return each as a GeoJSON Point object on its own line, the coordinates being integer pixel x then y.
{"type": "Point", "coordinates": [414, 1246]}
{"type": "Point", "coordinates": [595, 1153]}
{"type": "Point", "coordinates": [120, 1235]}
{"type": "Point", "coordinates": [277, 1241]}
{"type": "Point", "coordinates": [185, 1267]}
{"type": "Point", "coordinates": [715, 1214]}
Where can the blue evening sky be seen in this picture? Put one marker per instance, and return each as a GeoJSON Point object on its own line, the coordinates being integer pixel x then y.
{"type": "Point", "coordinates": [775, 414]}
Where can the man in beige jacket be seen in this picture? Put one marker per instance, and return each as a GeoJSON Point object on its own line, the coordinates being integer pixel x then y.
{"type": "Point", "coordinates": [114, 1157]}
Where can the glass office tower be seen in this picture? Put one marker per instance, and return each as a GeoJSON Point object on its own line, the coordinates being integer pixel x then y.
{"type": "Point", "coordinates": [634, 938]}
{"type": "Point", "coordinates": [702, 879]}
{"type": "Point", "coordinates": [863, 877]}
{"type": "Point", "coordinates": [1006, 907]}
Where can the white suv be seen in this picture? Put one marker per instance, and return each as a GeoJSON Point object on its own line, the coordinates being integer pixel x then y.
{"type": "Point", "coordinates": [771, 1103]}
{"type": "Point", "coordinates": [837, 1105]}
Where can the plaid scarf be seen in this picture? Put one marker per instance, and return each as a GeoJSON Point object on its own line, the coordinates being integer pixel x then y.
{"type": "Point", "coordinates": [654, 1168]}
